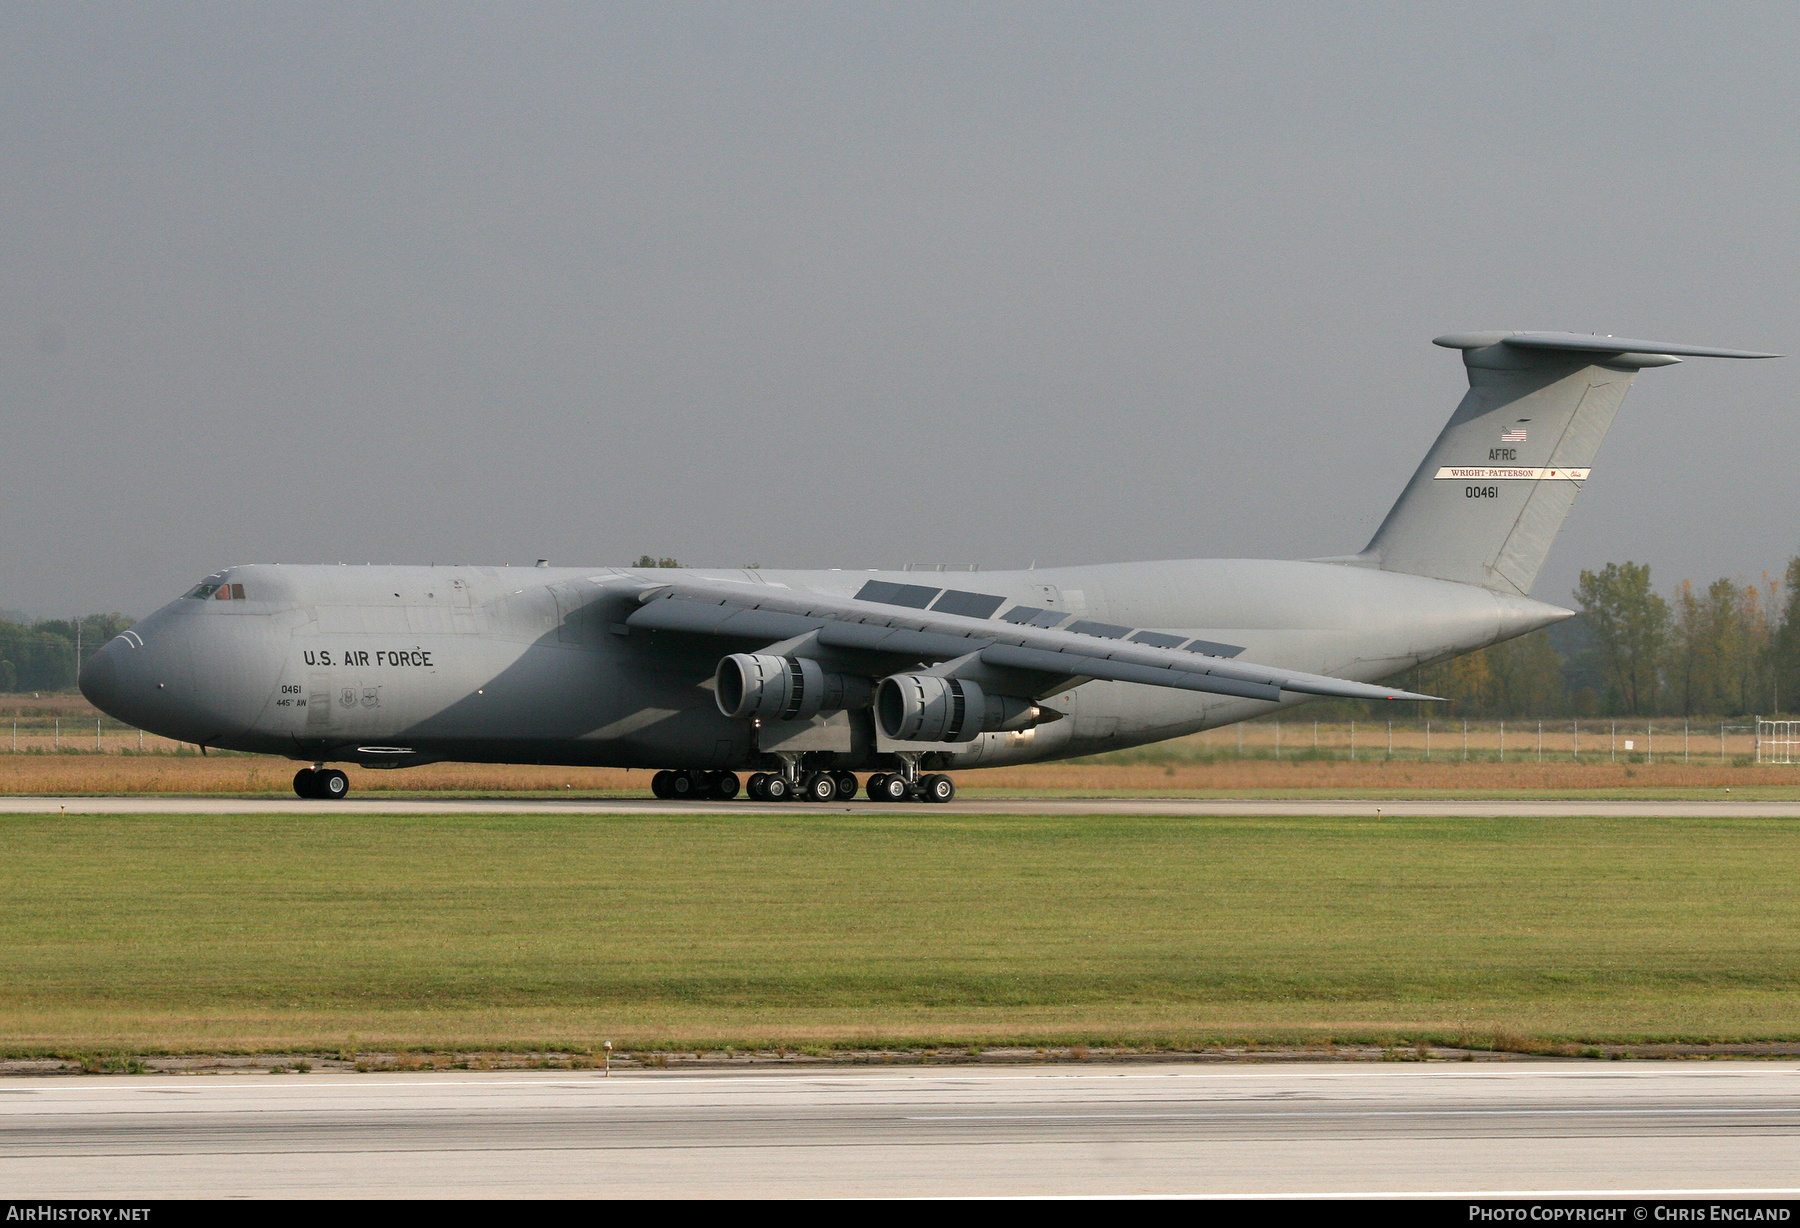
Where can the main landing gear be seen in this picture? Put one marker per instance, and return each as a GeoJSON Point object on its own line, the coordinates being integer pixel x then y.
{"type": "Point", "coordinates": [695, 786]}
{"type": "Point", "coordinates": [893, 787]}
{"type": "Point", "coordinates": [793, 783]}
{"type": "Point", "coordinates": [321, 783]}
{"type": "Point", "coordinates": [907, 785]}
{"type": "Point", "coordinates": [801, 786]}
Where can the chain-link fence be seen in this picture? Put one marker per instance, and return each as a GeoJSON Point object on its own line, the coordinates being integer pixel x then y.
{"type": "Point", "coordinates": [1492, 741]}
{"type": "Point", "coordinates": [31, 730]}
{"type": "Point", "coordinates": [25, 731]}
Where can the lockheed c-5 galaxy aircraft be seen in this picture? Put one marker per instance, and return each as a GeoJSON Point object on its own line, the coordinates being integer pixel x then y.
{"type": "Point", "coordinates": [806, 677]}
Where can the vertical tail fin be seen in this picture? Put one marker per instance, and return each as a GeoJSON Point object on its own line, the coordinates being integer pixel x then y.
{"type": "Point", "coordinates": [1487, 502]}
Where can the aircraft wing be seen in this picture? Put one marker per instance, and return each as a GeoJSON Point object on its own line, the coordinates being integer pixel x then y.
{"type": "Point", "coordinates": [759, 611]}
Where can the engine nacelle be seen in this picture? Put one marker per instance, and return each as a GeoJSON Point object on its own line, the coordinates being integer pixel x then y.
{"type": "Point", "coordinates": [926, 708]}
{"type": "Point", "coordinates": [783, 688]}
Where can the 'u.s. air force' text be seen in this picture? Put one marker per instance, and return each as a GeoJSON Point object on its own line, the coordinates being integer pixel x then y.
{"type": "Point", "coordinates": [416, 657]}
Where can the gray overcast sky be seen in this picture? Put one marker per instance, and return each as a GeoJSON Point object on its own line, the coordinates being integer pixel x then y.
{"type": "Point", "coordinates": [823, 285]}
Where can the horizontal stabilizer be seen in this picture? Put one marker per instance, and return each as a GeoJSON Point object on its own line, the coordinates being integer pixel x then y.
{"type": "Point", "coordinates": [1590, 343]}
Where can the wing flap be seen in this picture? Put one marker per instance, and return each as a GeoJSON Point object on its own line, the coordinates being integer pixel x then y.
{"type": "Point", "coordinates": [901, 641]}
{"type": "Point", "coordinates": [1123, 671]}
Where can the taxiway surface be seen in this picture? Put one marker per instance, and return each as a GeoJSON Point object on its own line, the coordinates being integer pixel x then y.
{"type": "Point", "coordinates": [1451, 1129]}
{"type": "Point", "coordinates": [1222, 807]}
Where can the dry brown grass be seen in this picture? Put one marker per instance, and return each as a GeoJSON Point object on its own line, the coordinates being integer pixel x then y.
{"type": "Point", "coordinates": [1199, 764]}
{"type": "Point", "coordinates": [113, 774]}
{"type": "Point", "coordinates": [55, 775]}
{"type": "Point", "coordinates": [1257, 776]}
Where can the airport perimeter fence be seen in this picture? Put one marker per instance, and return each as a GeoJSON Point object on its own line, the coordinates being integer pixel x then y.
{"type": "Point", "coordinates": [26, 730]}
{"type": "Point", "coordinates": [1588, 740]}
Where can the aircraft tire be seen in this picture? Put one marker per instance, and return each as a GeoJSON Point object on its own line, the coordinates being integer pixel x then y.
{"type": "Point", "coordinates": [332, 785]}
{"type": "Point", "coordinates": [893, 789]}
{"type": "Point", "coordinates": [306, 783]}
{"type": "Point", "coordinates": [936, 788]}
{"type": "Point", "coordinates": [874, 787]}
{"type": "Point", "coordinates": [756, 788]}
{"type": "Point", "coordinates": [726, 786]}
{"type": "Point", "coordinates": [659, 784]}
{"type": "Point", "coordinates": [846, 783]}
{"type": "Point", "coordinates": [684, 786]}
{"type": "Point", "coordinates": [820, 787]}
{"type": "Point", "coordinates": [778, 790]}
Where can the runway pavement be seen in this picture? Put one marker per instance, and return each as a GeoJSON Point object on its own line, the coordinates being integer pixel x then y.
{"type": "Point", "coordinates": [1700, 1129]}
{"type": "Point", "coordinates": [1223, 807]}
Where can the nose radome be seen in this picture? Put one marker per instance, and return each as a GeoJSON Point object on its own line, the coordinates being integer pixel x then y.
{"type": "Point", "coordinates": [99, 679]}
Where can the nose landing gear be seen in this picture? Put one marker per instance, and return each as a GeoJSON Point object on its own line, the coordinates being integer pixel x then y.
{"type": "Point", "coordinates": [320, 783]}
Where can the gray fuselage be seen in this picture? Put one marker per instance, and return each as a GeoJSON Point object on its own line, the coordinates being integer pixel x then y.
{"type": "Point", "coordinates": [398, 665]}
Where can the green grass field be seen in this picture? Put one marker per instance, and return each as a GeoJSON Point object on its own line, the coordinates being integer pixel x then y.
{"type": "Point", "coordinates": [816, 928]}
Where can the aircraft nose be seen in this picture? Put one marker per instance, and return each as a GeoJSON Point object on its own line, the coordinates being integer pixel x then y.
{"type": "Point", "coordinates": [123, 679]}
{"type": "Point", "coordinates": [99, 679]}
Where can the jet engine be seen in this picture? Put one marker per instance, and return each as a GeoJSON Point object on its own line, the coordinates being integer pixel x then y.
{"type": "Point", "coordinates": [775, 688]}
{"type": "Point", "coordinates": [926, 708]}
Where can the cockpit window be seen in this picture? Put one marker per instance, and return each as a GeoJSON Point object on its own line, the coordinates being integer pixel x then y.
{"type": "Point", "coordinates": [218, 592]}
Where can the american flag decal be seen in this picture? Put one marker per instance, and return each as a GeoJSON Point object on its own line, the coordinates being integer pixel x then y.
{"type": "Point", "coordinates": [1516, 435]}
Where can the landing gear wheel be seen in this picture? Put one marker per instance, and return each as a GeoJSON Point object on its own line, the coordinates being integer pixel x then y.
{"type": "Point", "coordinates": [659, 784]}
{"type": "Point", "coordinates": [846, 783]}
{"type": "Point", "coordinates": [875, 783]}
{"type": "Point", "coordinates": [893, 789]}
{"type": "Point", "coordinates": [684, 786]}
{"type": "Point", "coordinates": [937, 788]}
{"type": "Point", "coordinates": [758, 787]}
{"type": "Point", "coordinates": [821, 787]}
{"type": "Point", "coordinates": [332, 785]}
{"type": "Point", "coordinates": [726, 786]}
{"type": "Point", "coordinates": [778, 789]}
{"type": "Point", "coordinates": [306, 783]}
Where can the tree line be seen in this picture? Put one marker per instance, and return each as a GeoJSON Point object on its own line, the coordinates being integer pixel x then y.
{"type": "Point", "coordinates": [42, 655]}
{"type": "Point", "coordinates": [1728, 649]}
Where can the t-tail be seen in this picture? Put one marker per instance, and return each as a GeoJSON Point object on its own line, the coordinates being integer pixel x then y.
{"type": "Point", "coordinates": [1488, 500]}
